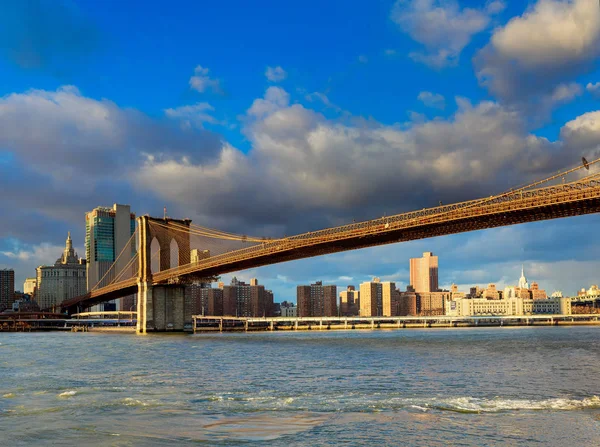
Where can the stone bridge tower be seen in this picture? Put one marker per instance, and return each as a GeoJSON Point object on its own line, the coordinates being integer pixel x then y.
{"type": "Point", "coordinates": [161, 307]}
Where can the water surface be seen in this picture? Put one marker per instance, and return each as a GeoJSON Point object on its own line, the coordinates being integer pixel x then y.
{"type": "Point", "coordinates": [471, 387]}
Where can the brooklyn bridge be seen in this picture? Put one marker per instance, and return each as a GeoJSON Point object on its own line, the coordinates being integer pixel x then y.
{"type": "Point", "coordinates": [164, 253]}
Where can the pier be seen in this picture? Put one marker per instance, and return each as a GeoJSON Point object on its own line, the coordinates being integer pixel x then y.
{"type": "Point", "coordinates": [203, 323]}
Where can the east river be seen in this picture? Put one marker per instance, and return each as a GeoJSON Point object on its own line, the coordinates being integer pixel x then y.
{"type": "Point", "coordinates": [430, 387]}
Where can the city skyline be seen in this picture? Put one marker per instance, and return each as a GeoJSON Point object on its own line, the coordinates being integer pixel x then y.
{"type": "Point", "coordinates": [425, 118]}
{"type": "Point", "coordinates": [400, 284]}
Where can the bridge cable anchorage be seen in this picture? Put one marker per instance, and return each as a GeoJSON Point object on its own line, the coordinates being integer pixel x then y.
{"type": "Point", "coordinates": [113, 265]}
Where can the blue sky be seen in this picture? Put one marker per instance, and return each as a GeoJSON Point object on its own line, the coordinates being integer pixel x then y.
{"type": "Point", "coordinates": [272, 118]}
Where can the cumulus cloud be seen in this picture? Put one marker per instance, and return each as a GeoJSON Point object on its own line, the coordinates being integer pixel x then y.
{"type": "Point", "coordinates": [443, 27]}
{"type": "Point", "coordinates": [67, 134]}
{"type": "Point", "coordinates": [552, 41]}
{"type": "Point", "coordinates": [275, 74]}
{"type": "Point", "coordinates": [584, 133]}
{"type": "Point", "coordinates": [434, 100]}
{"type": "Point", "coordinates": [202, 82]}
{"type": "Point", "coordinates": [304, 167]}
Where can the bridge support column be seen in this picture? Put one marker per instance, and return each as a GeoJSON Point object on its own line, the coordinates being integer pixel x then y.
{"type": "Point", "coordinates": [144, 300]}
{"type": "Point", "coordinates": [160, 308]}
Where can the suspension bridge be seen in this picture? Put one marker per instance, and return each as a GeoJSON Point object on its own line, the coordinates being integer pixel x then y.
{"type": "Point", "coordinates": [201, 254]}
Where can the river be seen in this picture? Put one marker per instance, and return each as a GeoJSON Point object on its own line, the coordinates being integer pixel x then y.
{"type": "Point", "coordinates": [521, 386]}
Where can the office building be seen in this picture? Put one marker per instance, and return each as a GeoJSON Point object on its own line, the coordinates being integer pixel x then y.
{"type": "Point", "coordinates": [107, 233]}
{"type": "Point", "coordinates": [424, 273]}
{"type": "Point", "coordinates": [7, 289]}
{"type": "Point", "coordinates": [508, 307]}
{"type": "Point", "coordinates": [63, 280]}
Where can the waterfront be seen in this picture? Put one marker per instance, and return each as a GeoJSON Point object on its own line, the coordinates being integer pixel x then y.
{"type": "Point", "coordinates": [497, 386]}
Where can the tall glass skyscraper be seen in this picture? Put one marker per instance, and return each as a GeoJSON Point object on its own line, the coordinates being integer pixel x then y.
{"type": "Point", "coordinates": [107, 231]}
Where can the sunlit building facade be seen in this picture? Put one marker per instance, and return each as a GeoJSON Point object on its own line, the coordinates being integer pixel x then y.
{"type": "Point", "coordinates": [64, 280]}
{"type": "Point", "coordinates": [424, 273]}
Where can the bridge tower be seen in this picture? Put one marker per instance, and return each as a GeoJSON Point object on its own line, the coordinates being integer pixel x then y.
{"type": "Point", "coordinates": [161, 307]}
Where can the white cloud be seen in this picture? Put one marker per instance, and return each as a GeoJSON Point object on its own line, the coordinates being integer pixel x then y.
{"type": "Point", "coordinates": [552, 41]}
{"type": "Point", "coordinates": [275, 99]}
{"type": "Point", "coordinates": [593, 89]}
{"type": "Point", "coordinates": [390, 52]}
{"type": "Point", "coordinates": [303, 164]}
{"type": "Point", "coordinates": [443, 27]}
{"type": "Point", "coordinates": [434, 100]}
{"type": "Point", "coordinates": [41, 254]}
{"type": "Point", "coordinates": [202, 82]}
{"type": "Point", "coordinates": [275, 74]}
{"type": "Point", "coordinates": [363, 59]}
{"type": "Point", "coordinates": [195, 114]}
{"type": "Point", "coordinates": [584, 133]}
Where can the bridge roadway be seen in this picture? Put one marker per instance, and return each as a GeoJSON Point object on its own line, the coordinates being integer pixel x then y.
{"type": "Point", "coordinates": [570, 199]}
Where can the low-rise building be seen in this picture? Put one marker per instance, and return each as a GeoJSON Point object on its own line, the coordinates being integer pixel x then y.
{"type": "Point", "coordinates": [289, 311]}
{"type": "Point", "coordinates": [507, 307]}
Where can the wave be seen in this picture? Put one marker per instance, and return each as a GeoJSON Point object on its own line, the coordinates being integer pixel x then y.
{"type": "Point", "coordinates": [378, 403]}
{"type": "Point", "coordinates": [496, 405]}
{"type": "Point", "coordinates": [68, 393]}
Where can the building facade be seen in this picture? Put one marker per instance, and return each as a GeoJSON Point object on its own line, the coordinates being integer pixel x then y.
{"type": "Point", "coordinates": [289, 311]}
{"type": "Point", "coordinates": [424, 273]}
{"type": "Point", "coordinates": [7, 289]}
{"type": "Point", "coordinates": [508, 307]}
{"type": "Point", "coordinates": [64, 280]}
{"type": "Point", "coordinates": [241, 300]}
{"type": "Point", "coordinates": [390, 299]}
{"type": "Point", "coordinates": [349, 302]}
{"type": "Point", "coordinates": [317, 300]}
{"type": "Point", "coordinates": [371, 299]}
{"type": "Point", "coordinates": [30, 287]}
{"type": "Point", "coordinates": [107, 232]}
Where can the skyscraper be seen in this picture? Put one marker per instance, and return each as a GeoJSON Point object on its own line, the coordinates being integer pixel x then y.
{"type": "Point", "coordinates": [424, 273]}
{"type": "Point", "coordinates": [107, 231]}
{"type": "Point", "coordinates": [7, 288]}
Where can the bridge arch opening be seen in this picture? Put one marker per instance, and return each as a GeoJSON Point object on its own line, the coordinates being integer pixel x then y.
{"type": "Point", "coordinates": [174, 258]}
{"type": "Point", "coordinates": [155, 256]}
